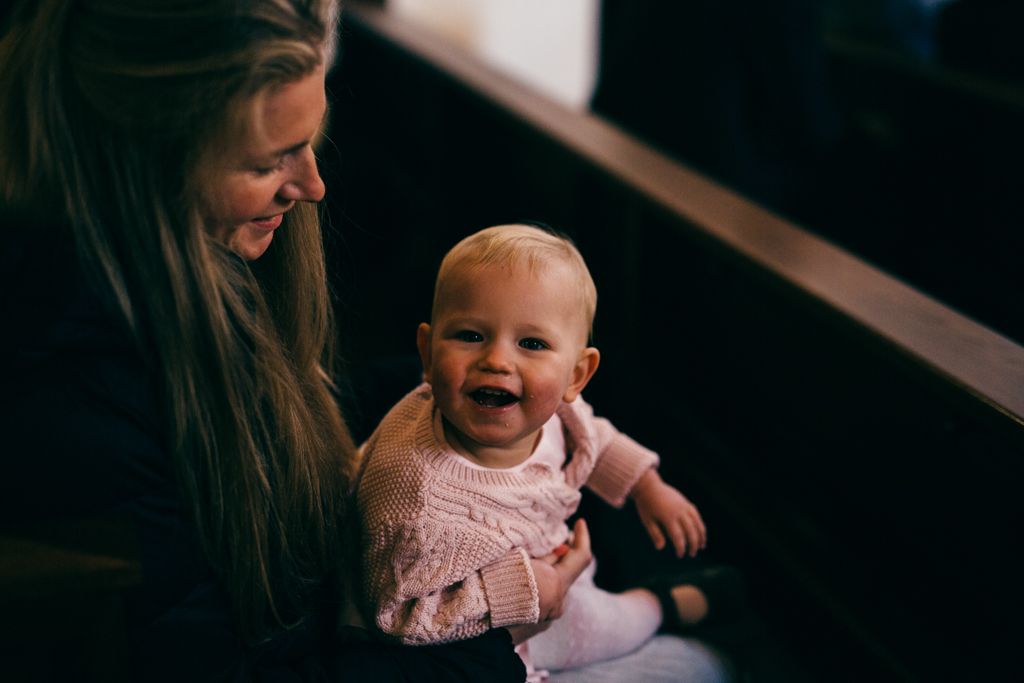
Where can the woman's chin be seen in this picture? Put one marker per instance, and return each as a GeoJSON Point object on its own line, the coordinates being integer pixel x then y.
{"type": "Point", "coordinates": [250, 242]}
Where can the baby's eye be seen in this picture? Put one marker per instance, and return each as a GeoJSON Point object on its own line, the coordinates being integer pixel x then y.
{"type": "Point", "coordinates": [532, 344]}
{"type": "Point", "coordinates": [469, 336]}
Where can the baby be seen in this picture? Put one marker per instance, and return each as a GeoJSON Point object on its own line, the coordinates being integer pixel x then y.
{"type": "Point", "coordinates": [468, 481]}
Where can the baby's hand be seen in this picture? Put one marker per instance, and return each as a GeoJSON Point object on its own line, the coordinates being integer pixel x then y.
{"type": "Point", "coordinates": [665, 511]}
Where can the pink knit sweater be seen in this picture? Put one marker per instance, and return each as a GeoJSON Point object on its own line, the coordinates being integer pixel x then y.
{"type": "Point", "coordinates": [447, 547]}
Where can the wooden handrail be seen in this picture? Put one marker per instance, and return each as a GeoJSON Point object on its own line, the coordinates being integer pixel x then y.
{"type": "Point", "coordinates": [974, 361]}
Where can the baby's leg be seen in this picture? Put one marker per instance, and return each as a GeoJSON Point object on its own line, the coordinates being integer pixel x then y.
{"type": "Point", "coordinates": [596, 625]}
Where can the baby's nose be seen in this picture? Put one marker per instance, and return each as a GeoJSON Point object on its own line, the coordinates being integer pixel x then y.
{"type": "Point", "coordinates": [496, 359]}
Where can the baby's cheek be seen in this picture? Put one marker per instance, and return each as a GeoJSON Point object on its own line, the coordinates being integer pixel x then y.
{"type": "Point", "coordinates": [545, 396]}
{"type": "Point", "coordinates": [443, 399]}
{"type": "Point", "coordinates": [444, 386]}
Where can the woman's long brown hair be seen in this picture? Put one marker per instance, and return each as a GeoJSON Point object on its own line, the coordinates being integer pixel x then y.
{"type": "Point", "coordinates": [106, 106]}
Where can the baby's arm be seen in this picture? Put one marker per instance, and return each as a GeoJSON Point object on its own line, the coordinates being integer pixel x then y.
{"type": "Point", "coordinates": [624, 467]}
{"type": "Point", "coordinates": [666, 512]}
{"type": "Point", "coordinates": [424, 585]}
{"type": "Point", "coordinates": [419, 603]}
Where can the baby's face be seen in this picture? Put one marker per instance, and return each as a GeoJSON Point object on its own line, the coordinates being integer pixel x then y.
{"type": "Point", "coordinates": [504, 350]}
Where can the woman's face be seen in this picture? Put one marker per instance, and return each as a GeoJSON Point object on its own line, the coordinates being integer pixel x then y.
{"type": "Point", "coordinates": [252, 178]}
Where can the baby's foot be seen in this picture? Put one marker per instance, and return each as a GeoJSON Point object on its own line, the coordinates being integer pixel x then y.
{"type": "Point", "coordinates": [715, 594]}
{"type": "Point", "coordinates": [691, 604]}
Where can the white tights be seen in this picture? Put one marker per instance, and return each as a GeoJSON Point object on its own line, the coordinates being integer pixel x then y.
{"type": "Point", "coordinates": [595, 626]}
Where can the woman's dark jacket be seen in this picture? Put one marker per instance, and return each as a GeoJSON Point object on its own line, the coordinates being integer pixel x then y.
{"type": "Point", "coordinates": [82, 432]}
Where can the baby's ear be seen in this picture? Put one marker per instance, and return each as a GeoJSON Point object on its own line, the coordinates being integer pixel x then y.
{"type": "Point", "coordinates": [584, 369]}
{"type": "Point", "coordinates": [423, 344]}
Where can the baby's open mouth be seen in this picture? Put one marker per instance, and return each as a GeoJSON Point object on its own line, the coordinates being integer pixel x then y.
{"type": "Point", "coordinates": [493, 398]}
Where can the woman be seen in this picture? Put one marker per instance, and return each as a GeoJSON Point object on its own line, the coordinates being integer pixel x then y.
{"type": "Point", "coordinates": [163, 269]}
{"type": "Point", "coordinates": [150, 152]}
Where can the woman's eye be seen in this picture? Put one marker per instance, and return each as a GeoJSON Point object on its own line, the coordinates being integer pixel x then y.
{"type": "Point", "coordinates": [270, 169]}
{"type": "Point", "coordinates": [532, 344]}
{"type": "Point", "coordinates": [469, 336]}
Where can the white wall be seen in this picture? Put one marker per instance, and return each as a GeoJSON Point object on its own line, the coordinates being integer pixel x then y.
{"type": "Point", "coordinates": [551, 45]}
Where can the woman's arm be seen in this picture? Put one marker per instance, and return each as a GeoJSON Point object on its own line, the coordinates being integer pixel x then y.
{"type": "Point", "coordinates": [487, 657]}
{"type": "Point", "coordinates": [195, 641]}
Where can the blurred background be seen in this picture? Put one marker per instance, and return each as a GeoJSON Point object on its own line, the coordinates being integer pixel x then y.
{"type": "Point", "coordinates": [891, 127]}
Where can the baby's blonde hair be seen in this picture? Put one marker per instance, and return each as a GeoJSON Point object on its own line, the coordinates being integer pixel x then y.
{"type": "Point", "coordinates": [511, 246]}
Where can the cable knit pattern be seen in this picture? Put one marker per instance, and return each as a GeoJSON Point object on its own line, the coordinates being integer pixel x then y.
{"type": "Point", "coordinates": [446, 547]}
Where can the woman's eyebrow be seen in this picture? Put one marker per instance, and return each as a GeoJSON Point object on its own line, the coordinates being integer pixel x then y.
{"type": "Point", "coordinates": [289, 150]}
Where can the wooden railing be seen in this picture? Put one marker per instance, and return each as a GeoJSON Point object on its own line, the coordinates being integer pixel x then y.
{"type": "Point", "coordinates": [844, 434]}
{"type": "Point", "coordinates": [985, 365]}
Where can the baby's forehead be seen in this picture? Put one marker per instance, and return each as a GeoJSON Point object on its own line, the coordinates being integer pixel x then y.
{"type": "Point", "coordinates": [521, 277]}
{"type": "Point", "coordinates": [533, 264]}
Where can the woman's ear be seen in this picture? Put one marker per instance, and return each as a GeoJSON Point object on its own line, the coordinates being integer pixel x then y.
{"type": "Point", "coordinates": [584, 369]}
{"type": "Point", "coordinates": [423, 344]}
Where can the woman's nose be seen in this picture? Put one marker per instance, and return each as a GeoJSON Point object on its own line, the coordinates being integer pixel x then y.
{"type": "Point", "coordinates": [304, 184]}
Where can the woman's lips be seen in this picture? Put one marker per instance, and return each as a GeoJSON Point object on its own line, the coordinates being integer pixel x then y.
{"type": "Point", "coordinates": [268, 223]}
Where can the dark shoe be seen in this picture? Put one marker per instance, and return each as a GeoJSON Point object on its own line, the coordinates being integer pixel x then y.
{"type": "Point", "coordinates": [723, 588]}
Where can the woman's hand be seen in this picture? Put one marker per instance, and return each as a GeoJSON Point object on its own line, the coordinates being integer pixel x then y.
{"type": "Point", "coordinates": [666, 512]}
{"type": "Point", "coordinates": [554, 575]}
